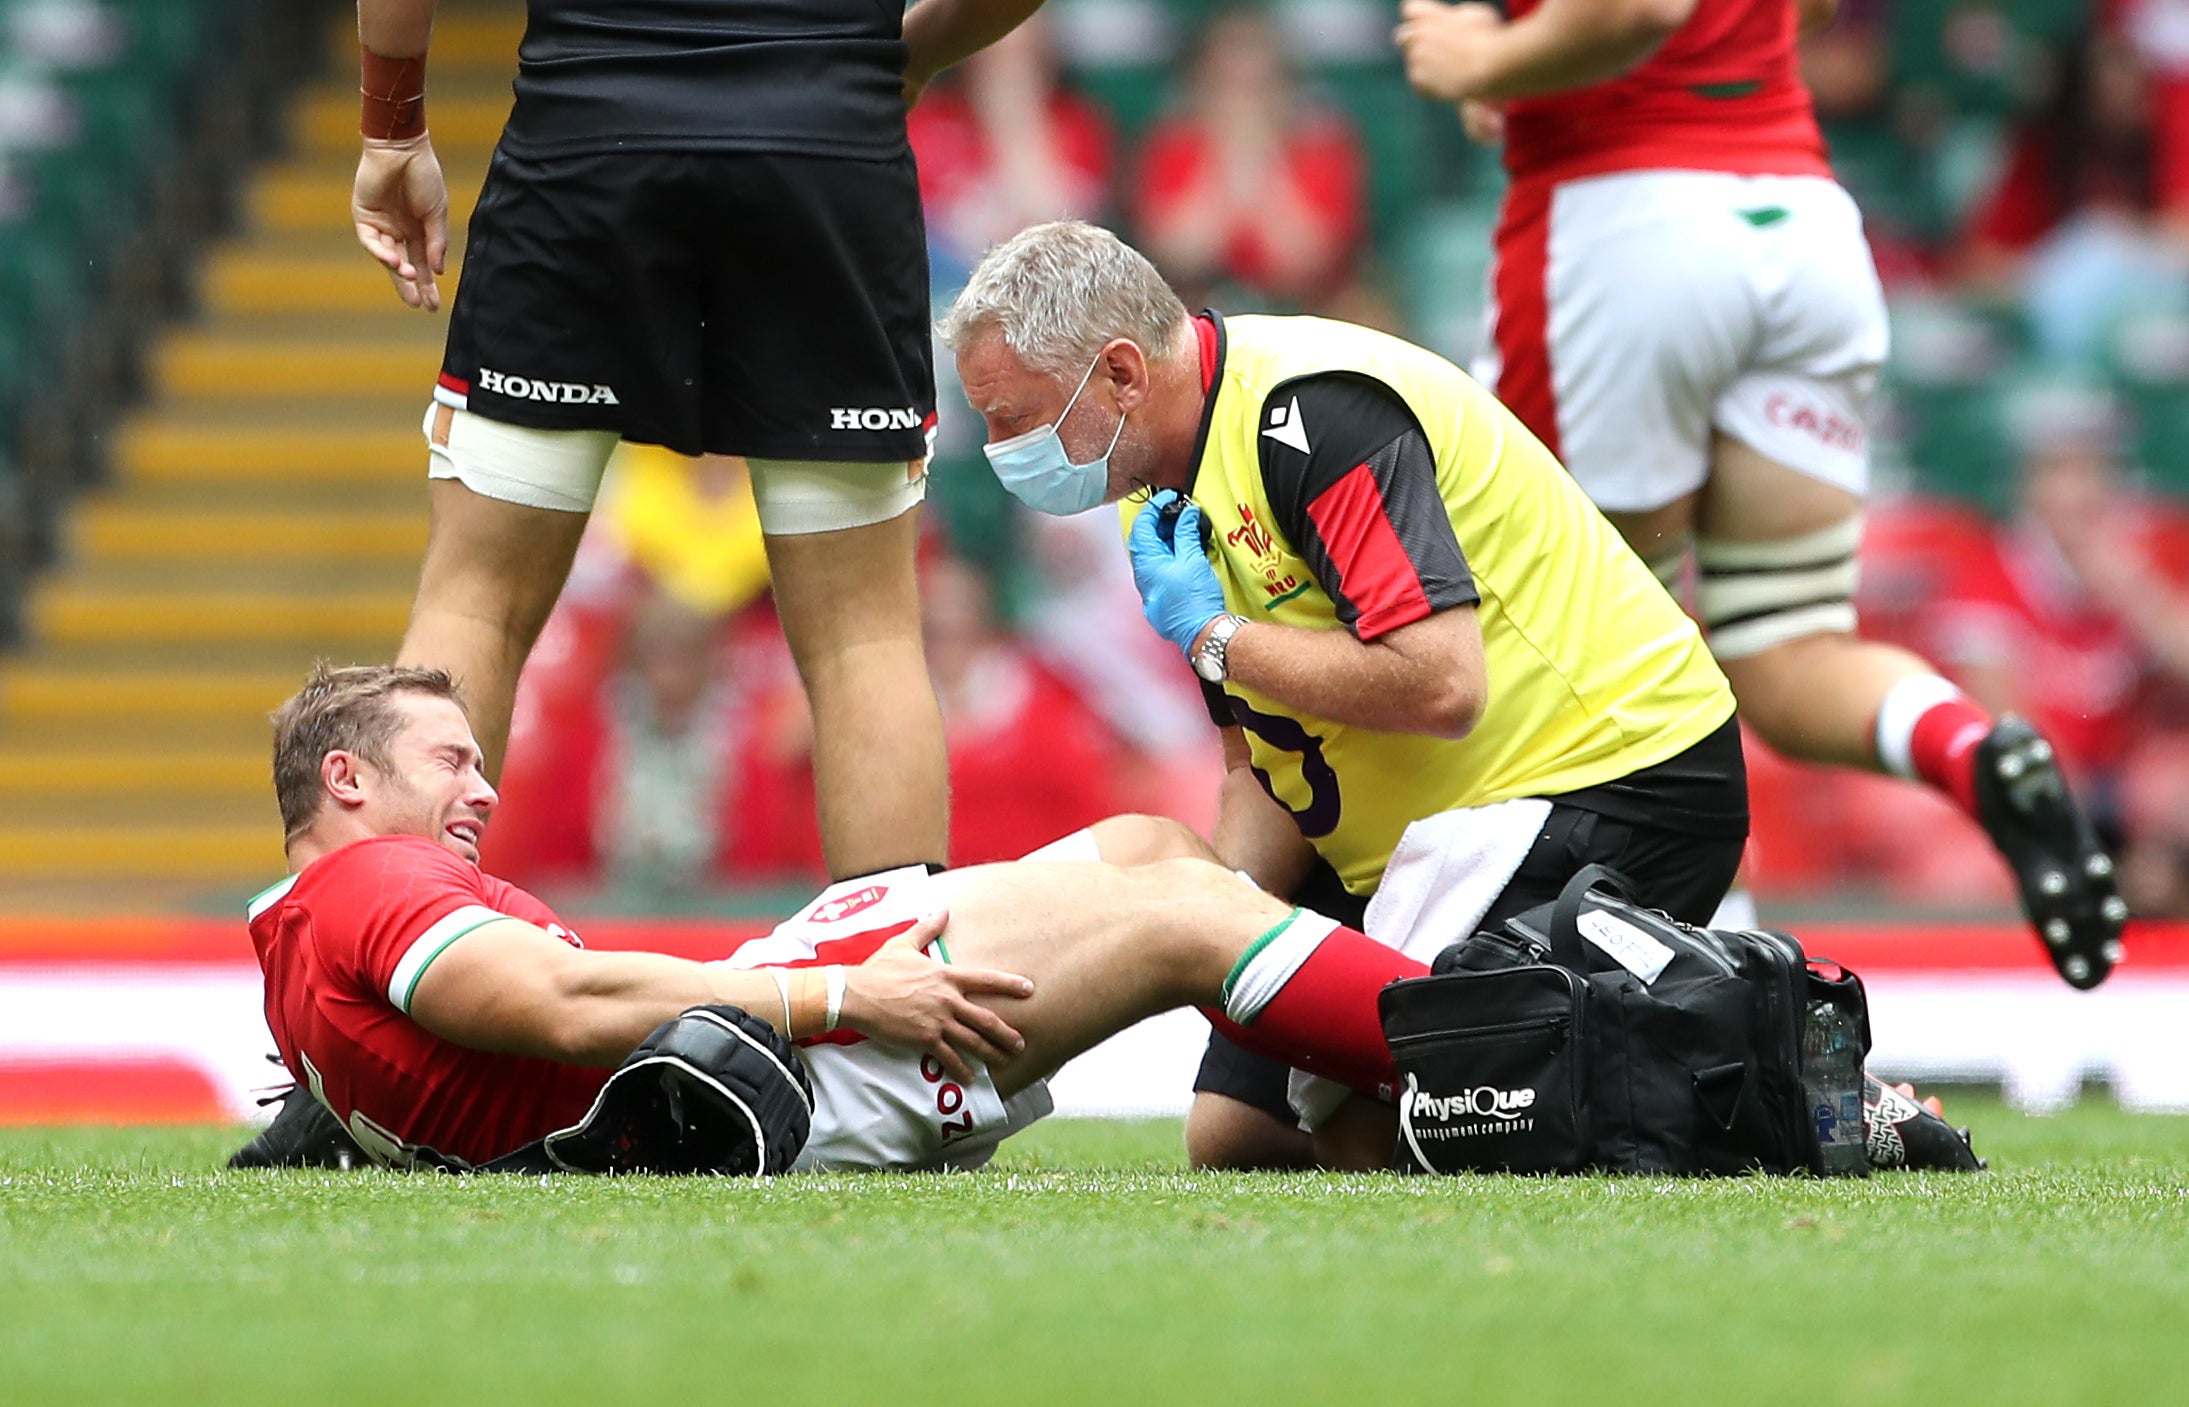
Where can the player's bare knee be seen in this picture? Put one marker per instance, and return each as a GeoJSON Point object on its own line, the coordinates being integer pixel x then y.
{"type": "Point", "coordinates": [1146, 840]}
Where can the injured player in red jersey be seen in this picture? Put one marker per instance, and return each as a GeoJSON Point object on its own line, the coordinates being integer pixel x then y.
{"type": "Point", "coordinates": [446, 1018]}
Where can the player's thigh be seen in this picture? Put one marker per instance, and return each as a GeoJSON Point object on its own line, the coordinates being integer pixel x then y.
{"type": "Point", "coordinates": [846, 587]}
{"type": "Point", "coordinates": [579, 306]}
{"type": "Point", "coordinates": [508, 507]}
{"type": "Point", "coordinates": [1752, 497]}
{"type": "Point", "coordinates": [818, 345]}
{"type": "Point", "coordinates": [1104, 946]}
{"type": "Point", "coordinates": [1649, 315]}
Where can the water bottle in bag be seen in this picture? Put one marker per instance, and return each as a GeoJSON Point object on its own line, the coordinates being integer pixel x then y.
{"type": "Point", "coordinates": [1831, 1076]}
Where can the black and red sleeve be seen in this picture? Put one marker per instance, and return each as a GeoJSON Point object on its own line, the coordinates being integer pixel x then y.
{"type": "Point", "coordinates": [1352, 483]}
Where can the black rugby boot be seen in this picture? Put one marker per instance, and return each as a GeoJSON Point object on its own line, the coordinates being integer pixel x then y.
{"type": "Point", "coordinates": [2065, 876]}
{"type": "Point", "coordinates": [304, 1134]}
{"type": "Point", "coordinates": [1905, 1134]}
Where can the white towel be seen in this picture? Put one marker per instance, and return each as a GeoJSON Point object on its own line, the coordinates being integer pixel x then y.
{"type": "Point", "coordinates": [1446, 872]}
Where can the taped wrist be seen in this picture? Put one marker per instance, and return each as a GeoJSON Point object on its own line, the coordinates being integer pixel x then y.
{"type": "Point", "coordinates": [393, 96]}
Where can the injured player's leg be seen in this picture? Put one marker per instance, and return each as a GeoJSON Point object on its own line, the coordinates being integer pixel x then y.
{"type": "Point", "coordinates": [1107, 947]}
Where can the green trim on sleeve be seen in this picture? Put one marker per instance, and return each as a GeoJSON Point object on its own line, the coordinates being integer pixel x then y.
{"type": "Point", "coordinates": [438, 949]}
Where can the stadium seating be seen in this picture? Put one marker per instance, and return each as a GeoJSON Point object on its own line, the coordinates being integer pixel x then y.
{"type": "Point", "coordinates": [265, 505]}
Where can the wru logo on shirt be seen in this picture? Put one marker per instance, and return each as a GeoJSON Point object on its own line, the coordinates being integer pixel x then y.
{"type": "Point", "coordinates": [525, 388]}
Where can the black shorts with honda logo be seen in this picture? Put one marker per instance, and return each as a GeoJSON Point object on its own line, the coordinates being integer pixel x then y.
{"type": "Point", "coordinates": [732, 302]}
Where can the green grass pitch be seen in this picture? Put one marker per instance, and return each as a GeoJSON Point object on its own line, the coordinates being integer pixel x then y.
{"type": "Point", "coordinates": [1089, 1267]}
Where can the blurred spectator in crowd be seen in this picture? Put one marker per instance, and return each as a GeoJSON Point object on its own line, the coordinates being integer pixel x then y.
{"type": "Point", "coordinates": [1877, 142]}
{"type": "Point", "coordinates": [1003, 144]}
{"type": "Point", "coordinates": [704, 775]}
{"type": "Point", "coordinates": [2155, 811]}
{"type": "Point", "coordinates": [660, 754]}
{"type": "Point", "coordinates": [688, 525]}
{"type": "Point", "coordinates": [1029, 760]}
{"type": "Point", "coordinates": [2074, 227]}
{"type": "Point", "coordinates": [1250, 184]}
{"type": "Point", "coordinates": [661, 648]}
{"type": "Point", "coordinates": [671, 746]}
{"type": "Point", "coordinates": [2159, 30]}
{"type": "Point", "coordinates": [2066, 617]}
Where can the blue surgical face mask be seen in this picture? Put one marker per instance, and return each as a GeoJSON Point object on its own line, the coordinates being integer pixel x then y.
{"type": "Point", "coordinates": [1034, 467]}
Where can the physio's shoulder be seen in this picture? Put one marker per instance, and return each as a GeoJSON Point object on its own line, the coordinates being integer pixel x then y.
{"type": "Point", "coordinates": [1315, 429]}
{"type": "Point", "coordinates": [1340, 407]}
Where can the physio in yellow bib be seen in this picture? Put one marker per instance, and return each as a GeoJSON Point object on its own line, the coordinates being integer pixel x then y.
{"type": "Point", "coordinates": [1446, 684]}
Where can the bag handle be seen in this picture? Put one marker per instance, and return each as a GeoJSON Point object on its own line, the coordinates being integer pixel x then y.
{"type": "Point", "coordinates": [1565, 927]}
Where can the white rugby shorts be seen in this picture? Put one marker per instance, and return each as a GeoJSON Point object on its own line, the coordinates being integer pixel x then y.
{"type": "Point", "coordinates": [1636, 313]}
{"type": "Point", "coordinates": [880, 1107]}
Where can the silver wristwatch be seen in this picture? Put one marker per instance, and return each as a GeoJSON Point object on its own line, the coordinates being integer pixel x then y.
{"type": "Point", "coordinates": [1208, 657]}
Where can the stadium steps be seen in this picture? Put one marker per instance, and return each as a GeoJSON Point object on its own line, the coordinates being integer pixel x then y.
{"type": "Point", "coordinates": [266, 507]}
{"type": "Point", "coordinates": [146, 533]}
{"type": "Point", "coordinates": [215, 367]}
{"type": "Point", "coordinates": [79, 773]}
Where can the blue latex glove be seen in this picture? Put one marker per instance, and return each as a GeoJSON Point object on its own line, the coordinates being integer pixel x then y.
{"type": "Point", "coordinates": [1179, 593]}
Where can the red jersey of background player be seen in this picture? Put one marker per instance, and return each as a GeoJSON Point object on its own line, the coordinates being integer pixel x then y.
{"type": "Point", "coordinates": [342, 944]}
{"type": "Point", "coordinates": [1724, 93]}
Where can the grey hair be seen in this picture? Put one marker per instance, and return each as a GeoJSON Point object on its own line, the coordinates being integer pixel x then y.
{"type": "Point", "coordinates": [1058, 292]}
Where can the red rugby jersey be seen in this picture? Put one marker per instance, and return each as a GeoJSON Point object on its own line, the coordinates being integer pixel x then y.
{"type": "Point", "coordinates": [342, 944]}
{"type": "Point", "coordinates": [344, 941]}
{"type": "Point", "coordinates": [1724, 93]}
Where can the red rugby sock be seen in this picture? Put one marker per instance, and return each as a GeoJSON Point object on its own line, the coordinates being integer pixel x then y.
{"type": "Point", "coordinates": [1942, 745]}
{"type": "Point", "coordinates": [1323, 1018]}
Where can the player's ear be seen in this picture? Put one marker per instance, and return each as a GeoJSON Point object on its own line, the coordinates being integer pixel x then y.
{"type": "Point", "coordinates": [341, 773]}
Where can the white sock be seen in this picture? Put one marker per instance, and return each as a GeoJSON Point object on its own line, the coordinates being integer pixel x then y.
{"type": "Point", "coordinates": [1903, 707]}
{"type": "Point", "coordinates": [1272, 960]}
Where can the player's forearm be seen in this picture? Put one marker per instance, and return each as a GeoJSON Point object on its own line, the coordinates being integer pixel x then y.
{"type": "Point", "coordinates": [1569, 44]}
{"type": "Point", "coordinates": [582, 1007]}
{"type": "Point", "coordinates": [941, 33]}
{"type": "Point", "coordinates": [1363, 684]}
{"type": "Point", "coordinates": [603, 1004]}
{"type": "Point", "coordinates": [1816, 14]}
{"type": "Point", "coordinates": [395, 29]}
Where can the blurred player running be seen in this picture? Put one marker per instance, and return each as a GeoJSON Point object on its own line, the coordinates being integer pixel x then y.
{"type": "Point", "coordinates": [700, 229]}
{"type": "Point", "coordinates": [1687, 314]}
